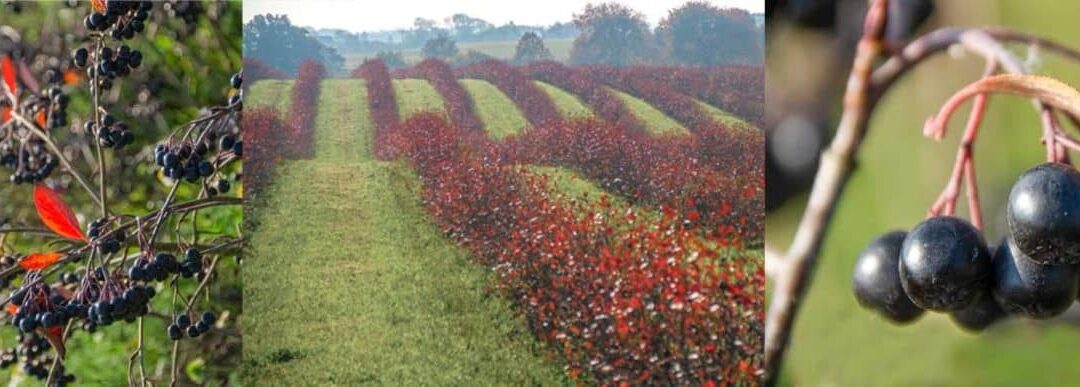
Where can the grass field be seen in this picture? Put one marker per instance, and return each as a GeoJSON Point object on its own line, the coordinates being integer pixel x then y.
{"type": "Point", "coordinates": [900, 173]}
{"type": "Point", "coordinates": [499, 114]}
{"type": "Point", "coordinates": [416, 95]}
{"type": "Point", "coordinates": [655, 120]}
{"type": "Point", "coordinates": [504, 50]}
{"type": "Point", "coordinates": [352, 282]}
{"type": "Point", "coordinates": [373, 287]}
{"type": "Point", "coordinates": [568, 104]}
{"type": "Point", "coordinates": [270, 93]}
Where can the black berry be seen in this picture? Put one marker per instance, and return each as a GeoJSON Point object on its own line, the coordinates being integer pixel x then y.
{"type": "Point", "coordinates": [877, 280]}
{"type": "Point", "coordinates": [1044, 214]}
{"type": "Point", "coordinates": [944, 264]}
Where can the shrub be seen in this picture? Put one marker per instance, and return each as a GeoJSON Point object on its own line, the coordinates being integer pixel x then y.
{"type": "Point", "coordinates": [301, 122]}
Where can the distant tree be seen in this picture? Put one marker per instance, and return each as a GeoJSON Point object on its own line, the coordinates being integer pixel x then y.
{"type": "Point", "coordinates": [465, 27]}
{"type": "Point", "coordinates": [440, 47]}
{"type": "Point", "coordinates": [612, 34]}
{"type": "Point", "coordinates": [699, 33]}
{"type": "Point", "coordinates": [530, 48]}
{"type": "Point", "coordinates": [392, 59]}
{"type": "Point", "coordinates": [275, 41]}
{"type": "Point", "coordinates": [470, 57]}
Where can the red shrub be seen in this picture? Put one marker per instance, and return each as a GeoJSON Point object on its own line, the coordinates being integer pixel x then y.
{"type": "Point", "coordinates": [715, 178]}
{"type": "Point", "coordinates": [739, 90]}
{"type": "Point", "coordinates": [255, 70]}
{"type": "Point", "coordinates": [533, 102]}
{"type": "Point", "coordinates": [381, 99]}
{"type": "Point", "coordinates": [603, 103]}
{"type": "Point", "coordinates": [457, 101]}
{"type": "Point", "coordinates": [262, 138]}
{"type": "Point", "coordinates": [301, 121]}
{"type": "Point", "coordinates": [662, 96]}
{"type": "Point", "coordinates": [641, 302]}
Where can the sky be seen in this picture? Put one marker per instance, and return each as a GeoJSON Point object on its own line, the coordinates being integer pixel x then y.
{"type": "Point", "coordinates": [367, 15]}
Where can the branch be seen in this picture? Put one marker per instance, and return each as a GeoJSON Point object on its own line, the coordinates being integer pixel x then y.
{"type": "Point", "coordinates": [832, 175]}
{"type": "Point", "coordinates": [837, 162]}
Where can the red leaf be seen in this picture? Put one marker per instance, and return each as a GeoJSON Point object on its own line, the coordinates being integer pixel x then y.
{"type": "Point", "coordinates": [38, 261]}
{"type": "Point", "coordinates": [56, 214]}
{"type": "Point", "coordinates": [99, 5]}
{"type": "Point", "coordinates": [7, 67]}
{"type": "Point", "coordinates": [5, 115]}
{"type": "Point", "coordinates": [41, 119]}
{"type": "Point", "coordinates": [55, 335]}
{"type": "Point", "coordinates": [11, 309]}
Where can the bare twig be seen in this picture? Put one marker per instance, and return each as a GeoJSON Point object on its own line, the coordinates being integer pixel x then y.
{"type": "Point", "coordinates": [836, 166]}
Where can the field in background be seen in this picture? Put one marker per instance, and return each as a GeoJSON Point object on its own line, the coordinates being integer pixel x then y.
{"type": "Point", "coordinates": [357, 285]}
{"type": "Point", "coordinates": [502, 50]}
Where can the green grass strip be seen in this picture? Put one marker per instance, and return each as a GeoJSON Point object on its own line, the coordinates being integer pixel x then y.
{"type": "Point", "coordinates": [498, 112]}
{"type": "Point", "coordinates": [569, 105]}
{"type": "Point", "coordinates": [415, 96]}
{"type": "Point", "coordinates": [656, 122]}
{"type": "Point", "coordinates": [275, 93]}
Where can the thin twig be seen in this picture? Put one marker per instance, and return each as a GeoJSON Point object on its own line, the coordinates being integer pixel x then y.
{"type": "Point", "coordinates": [836, 166]}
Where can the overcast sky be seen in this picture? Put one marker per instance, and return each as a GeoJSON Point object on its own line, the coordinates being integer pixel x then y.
{"type": "Point", "coordinates": [367, 15]}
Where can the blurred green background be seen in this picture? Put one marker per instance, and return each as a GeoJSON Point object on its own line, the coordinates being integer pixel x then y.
{"type": "Point", "coordinates": [186, 67]}
{"type": "Point", "coordinates": [899, 174]}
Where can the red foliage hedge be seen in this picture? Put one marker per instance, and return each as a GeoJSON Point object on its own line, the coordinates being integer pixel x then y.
{"type": "Point", "coordinates": [381, 98]}
{"type": "Point", "coordinates": [715, 178]}
{"type": "Point", "coordinates": [263, 131]}
{"type": "Point", "coordinates": [624, 301]}
{"type": "Point", "coordinates": [662, 96]}
{"type": "Point", "coordinates": [533, 102]}
{"type": "Point", "coordinates": [603, 103]}
{"type": "Point", "coordinates": [739, 90]}
{"type": "Point", "coordinates": [255, 70]}
{"type": "Point", "coordinates": [301, 121]}
{"type": "Point", "coordinates": [458, 103]}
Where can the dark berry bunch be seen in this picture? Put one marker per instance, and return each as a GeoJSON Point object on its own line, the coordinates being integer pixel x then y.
{"type": "Point", "coordinates": [123, 19]}
{"type": "Point", "coordinates": [110, 133]}
{"type": "Point", "coordinates": [204, 150]}
{"type": "Point", "coordinates": [33, 349]}
{"type": "Point", "coordinates": [186, 10]}
{"type": "Point", "coordinates": [164, 264]}
{"type": "Point", "coordinates": [106, 242]}
{"type": "Point", "coordinates": [27, 158]}
{"type": "Point", "coordinates": [77, 276]}
{"type": "Point", "coordinates": [944, 264]}
{"type": "Point", "coordinates": [182, 325]}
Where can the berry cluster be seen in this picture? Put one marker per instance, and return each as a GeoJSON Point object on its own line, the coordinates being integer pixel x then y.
{"type": "Point", "coordinates": [32, 347]}
{"type": "Point", "coordinates": [106, 245]}
{"type": "Point", "coordinates": [111, 64]}
{"type": "Point", "coordinates": [182, 325]}
{"type": "Point", "coordinates": [944, 264]}
{"type": "Point", "coordinates": [110, 132]}
{"type": "Point", "coordinates": [28, 158]}
{"type": "Point", "coordinates": [165, 264]}
{"type": "Point", "coordinates": [124, 17]}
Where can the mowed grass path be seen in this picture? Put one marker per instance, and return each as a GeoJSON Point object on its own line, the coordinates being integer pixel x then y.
{"type": "Point", "coordinates": [500, 115]}
{"type": "Point", "coordinates": [349, 283]}
{"type": "Point", "coordinates": [275, 93]}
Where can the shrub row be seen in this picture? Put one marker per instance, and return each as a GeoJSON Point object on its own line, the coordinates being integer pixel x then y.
{"type": "Point", "coordinates": [255, 70]}
{"type": "Point", "coordinates": [660, 95]}
{"type": "Point", "coordinates": [382, 100]}
{"type": "Point", "coordinates": [646, 302]}
{"type": "Point", "coordinates": [735, 89]}
{"type": "Point", "coordinates": [301, 121]}
{"type": "Point", "coordinates": [602, 102]}
{"type": "Point", "coordinates": [533, 102]}
{"type": "Point", "coordinates": [263, 133]}
{"type": "Point", "coordinates": [458, 103]}
{"type": "Point", "coordinates": [716, 179]}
